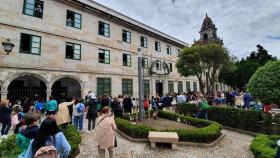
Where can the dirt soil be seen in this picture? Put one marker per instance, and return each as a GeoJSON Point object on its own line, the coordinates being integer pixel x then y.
{"type": "Point", "coordinates": [163, 124]}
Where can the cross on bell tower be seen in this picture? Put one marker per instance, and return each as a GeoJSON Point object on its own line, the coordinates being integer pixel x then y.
{"type": "Point", "coordinates": [208, 32]}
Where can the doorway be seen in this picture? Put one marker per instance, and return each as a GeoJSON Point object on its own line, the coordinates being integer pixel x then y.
{"type": "Point", "coordinates": [159, 88]}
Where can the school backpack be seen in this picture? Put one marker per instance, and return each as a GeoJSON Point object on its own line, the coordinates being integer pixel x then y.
{"type": "Point", "coordinates": [146, 104]}
{"type": "Point", "coordinates": [46, 152]}
{"type": "Point", "coordinates": [204, 105]}
{"type": "Point", "coordinates": [80, 108]}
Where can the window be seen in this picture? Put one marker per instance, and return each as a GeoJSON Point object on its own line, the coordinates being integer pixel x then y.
{"type": "Point", "coordinates": [104, 29]}
{"type": "Point", "coordinates": [178, 51]}
{"type": "Point", "coordinates": [144, 42]}
{"type": "Point", "coordinates": [188, 86]}
{"type": "Point", "coordinates": [146, 87]}
{"type": "Point", "coordinates": [170, 87]}
{"type": "Point", "coordinates": [157, 46]}
{"type": "Point", "coordinates": [104, 56]}
{"type": "Point", "coordinates": [73, 19]}
{"type": "Point", "coordinates": [146, 63]}
{"type": "Point", "coordinates": [73, 51]}
{"type": "Point", "coordinates": [194, 86]}
{"type": "Point", "coordinates": [103, 86]}
{"type": "Point", "coordinates": [180, 87]}
{"type": "Point", "coordinates": [168, 50]}
{"type": "Point", "coordinates": [158, 65]}
{"type": "Point", "coordinates": [126, 36]}
{"type": "Point", "coordinates": [33, 8]}
{"type": "Point", "coordinates": [30, 44]}
{"type": "Point", "coordinates": [170, 67]}
{"type": "Point", "coordinates": [126, 60]}
{"type": "Point", "coordinates": [127, 87]}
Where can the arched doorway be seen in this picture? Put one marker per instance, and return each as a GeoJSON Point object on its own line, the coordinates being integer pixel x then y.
{"type": "Point", "coordinates": [27, 86]}
{"type": "Point", "coordinates": [66, 87]}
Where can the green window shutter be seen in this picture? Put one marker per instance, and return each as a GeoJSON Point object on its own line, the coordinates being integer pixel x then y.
{"type": "Point", "coordinates": [35, 45]}
{"type": "Point", "coordinates": [29, 7]}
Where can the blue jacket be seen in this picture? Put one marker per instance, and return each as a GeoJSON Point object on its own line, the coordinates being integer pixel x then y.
{"type": "Point", "coordinates": [61, 145]}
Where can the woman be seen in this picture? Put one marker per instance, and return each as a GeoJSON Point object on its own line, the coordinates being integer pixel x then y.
{"type": "Point", "coordinates": [116, 107]}
{"type": "Point", "coordinates": [105, 133]}
{"type": "Point", "coordinates": [91, 114]}
{"type": "Point", "coordinates": [49, 135]}
{"type": "Point", "coordinates": [63, 116]}
{"type": "Point", "coordinates": [5, 117]}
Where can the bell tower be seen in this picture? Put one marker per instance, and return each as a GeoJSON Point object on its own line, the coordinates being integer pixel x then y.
{"type": "Point", "coordinates": [208, 32]}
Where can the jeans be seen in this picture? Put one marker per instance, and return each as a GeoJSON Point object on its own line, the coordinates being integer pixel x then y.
{"type": "Point", "coordinates": [91, 124]}
{"type": "Point", "coordinates": [5, 128]}
{"type": "Point", "coordinates": [202, 115]}
{"type": "Point", "coordinates": [278, 153]}
{"type": "Point", "coordinates": [78, 122]}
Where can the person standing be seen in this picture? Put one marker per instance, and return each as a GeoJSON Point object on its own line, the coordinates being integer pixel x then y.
{"type": "Point", "coordinates": [127, 103]}
{"type": "Point", "coordinates": [247, 100]}
{"type": "Point", "coordinates": [105, 133]}
{"type": "Point", "coordinates": [91, 114]}
{"type": "Point", "coordinates": [78, 113]}
{"type": "Point", "coordinates": [5, 117]}
{"type": "Point", "coordinates": [63, 117]}
{"type": "Point", "coordinates": [154, 107]}
{"type": "Point", "coordinates": [116, 107]}
{"type": "Point", "coordinates": [48, 136]}
{"type": "Point", "coordinates": [51, 106]}
{"type": "Point", "coordinates": [202, 107]}
{"type": "Point", "coordinates": [238, 101]}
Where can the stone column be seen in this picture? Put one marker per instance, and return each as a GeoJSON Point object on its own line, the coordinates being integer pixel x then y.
{"type": "Point", "coordinates": [152, 86]}
{"type": "Point", "coordinates": [165, 86]}
{"type": "Point", "coordinates": [4, 94]}
{"type": "Point", "coordinates": [49, 93]}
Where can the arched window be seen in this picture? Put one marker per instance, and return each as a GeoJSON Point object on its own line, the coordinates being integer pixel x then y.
{"type": "Point", "coordinates": [205, 36]}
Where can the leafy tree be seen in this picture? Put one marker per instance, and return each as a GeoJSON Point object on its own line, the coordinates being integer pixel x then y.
{"type": "Point", "coordinates": [265, 83]}
{"type": "Point", "coordinates": [199, 59]}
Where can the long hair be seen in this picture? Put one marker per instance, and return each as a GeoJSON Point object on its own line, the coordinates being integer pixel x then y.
{"type": "Point", "coordinates": [48, 128]}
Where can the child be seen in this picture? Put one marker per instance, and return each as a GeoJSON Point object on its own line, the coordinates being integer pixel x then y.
{"type": "Point", "coordinates": [26, 135]}
{"type": "Point", "coordinates": [16, 116]}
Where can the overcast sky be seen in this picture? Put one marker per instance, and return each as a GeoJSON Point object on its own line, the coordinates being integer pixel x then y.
{"type": "Point", "coordinates": [242, 24]}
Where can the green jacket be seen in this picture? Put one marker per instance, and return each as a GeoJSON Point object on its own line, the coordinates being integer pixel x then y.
{"type": "Point", "coordinates": [23, 143]}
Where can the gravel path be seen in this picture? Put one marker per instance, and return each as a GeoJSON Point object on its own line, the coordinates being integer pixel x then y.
{"type": "Point", "coordinates": [233, 145]}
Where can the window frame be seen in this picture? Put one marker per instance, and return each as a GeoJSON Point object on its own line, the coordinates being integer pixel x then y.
{"type": "Point", "coordinates": [104, 24]}
{"type": "Point", "coordinates": [30, 44]}
{"type": "Point", "coordinates": [146, 87]}
{"type": "Point", "coordinates": [158, 62]}
{"type": "Point", "coordinates": [74, 19]}
{"type": "Point", "coordinates": [157, 46]}
{"type": "Point", "coordinates": [170, 67]}
{"type": "Point", "coordinates": [180, 87]}
{"type": "Point", "coordinates": [168, 50]}
{"type": "Point", "coordinates": [146, 63]}
{"type": "Point", "coordinates": [195, 86]}
{"type": "Point", "coordinates": [24, 8]}
{"type": "Point", "coordinates": [145, 41]}
{"type": "Point", "coordinates": [128, 65]}
{"type": "Point", "coordinates": [127, 33]}
{"type": "Point", "coordinates": [104, 52]}
{"type": "Point", "coordinates": [73, 51]}
{"type": "Point", "coordinates": [125, 87]}
{"type": "Point", "coordinates": [179, 52]}
{"type": "Point", "coordinates": [104, 82]}
{"type": "Point", "coordinates": [188, 86]}
{"type": "Point", "coordinates": [170, 87]}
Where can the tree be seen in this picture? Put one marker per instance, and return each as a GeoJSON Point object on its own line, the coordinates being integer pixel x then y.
{"type": "Point", "coordinates": [199, 59]}
{"type": "Point", "coordinates": [265, 83]}
{"type": "Point", "coordinates": [227, 72]}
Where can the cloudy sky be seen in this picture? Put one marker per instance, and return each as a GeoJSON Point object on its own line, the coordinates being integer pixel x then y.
{"type": "Point", "coordinates": [242, 24]}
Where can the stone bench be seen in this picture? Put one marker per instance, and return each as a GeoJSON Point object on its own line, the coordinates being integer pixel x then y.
{"type": "Point", "coordinates": [163, 137]}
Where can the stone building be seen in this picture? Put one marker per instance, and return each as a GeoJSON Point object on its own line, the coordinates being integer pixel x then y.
{"type": "Point", "coordinates": [68, 47]}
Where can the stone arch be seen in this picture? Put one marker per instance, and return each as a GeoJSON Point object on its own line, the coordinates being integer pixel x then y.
{"type": "Point", "coordinates": [17, 75]}
{"type": "Point", "coordinates": [69, 76]}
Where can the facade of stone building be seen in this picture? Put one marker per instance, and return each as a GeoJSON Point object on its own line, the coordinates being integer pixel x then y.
{"type": "Point", "coordinates": [69, 47]}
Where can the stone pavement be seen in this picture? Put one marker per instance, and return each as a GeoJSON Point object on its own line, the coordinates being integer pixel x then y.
{"type": "Point", "coordinates": [233, 145]}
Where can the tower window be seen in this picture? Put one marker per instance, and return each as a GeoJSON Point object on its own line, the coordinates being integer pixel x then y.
{"type": "Point", "coordinates": [205, 36]}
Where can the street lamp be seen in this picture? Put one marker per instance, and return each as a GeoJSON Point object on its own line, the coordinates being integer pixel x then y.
{"type": "Point", "coordinates": [8, 46]}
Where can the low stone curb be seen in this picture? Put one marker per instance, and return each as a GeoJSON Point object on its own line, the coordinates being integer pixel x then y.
{"type": "Point", "coordinates": [214, 143]}
{"type": "Point", "coordinates": [240, 131]}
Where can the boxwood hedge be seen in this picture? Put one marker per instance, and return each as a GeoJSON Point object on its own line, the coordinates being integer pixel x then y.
{"type": "Point", "coordinates": [264, 146]}
{"type": "Point", "coordinates": [208, 131]}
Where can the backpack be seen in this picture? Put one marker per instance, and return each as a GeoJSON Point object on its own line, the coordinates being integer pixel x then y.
{"type": "Point", "coordinates": [204, 105]}
{"type": "Point", "coordinates": [39, 106]}
{"type": "Point", "coordinates": [146, 104]}
{"type": "Point", "coordinates": [46, 152]}
{"type": "Point", "coordinates": [80, 108]}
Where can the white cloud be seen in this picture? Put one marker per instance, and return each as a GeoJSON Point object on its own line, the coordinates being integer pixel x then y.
{"type": "Point", "coordinates": [242, 24]}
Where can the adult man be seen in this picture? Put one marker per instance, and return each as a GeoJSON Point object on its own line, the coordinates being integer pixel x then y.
{"type": "Point", "coordinates": [181, 98]}
{"type": "Point", "coordinates": [51, 106]}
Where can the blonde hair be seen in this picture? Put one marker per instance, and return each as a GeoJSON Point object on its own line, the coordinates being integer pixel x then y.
{"type": "Point", "coordinates": [4, 102]}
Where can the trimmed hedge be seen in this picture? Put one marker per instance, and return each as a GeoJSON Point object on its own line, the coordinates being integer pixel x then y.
{"type": "Point", "coordinates": [265, 146]}
{"type": "Point", "coordinates": [208, 132]}
{"type": "Point", "coordinates": [9, 149]}
{"type": "Point", "coordinates": [236, 118]}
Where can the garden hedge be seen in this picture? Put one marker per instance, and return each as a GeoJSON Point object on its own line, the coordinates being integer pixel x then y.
{"type": "Point", "coordinates": [236, 118]}
{"type": "Point", "coordinates": [265, 146]}
{"type": "Point", "coordinates": [208, 131]}
{"type": "Point", "coordinates": [9, 149]}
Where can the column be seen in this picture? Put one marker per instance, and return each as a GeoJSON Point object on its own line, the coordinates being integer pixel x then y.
{"type": "Point", "coordinates": [152, 86]}
{"type": "Point", "coordinates": [4, 94]}
{"type": "Point", "coordinates": [165, 86]}
{"type": "Point", "coordinates": [49, 93]}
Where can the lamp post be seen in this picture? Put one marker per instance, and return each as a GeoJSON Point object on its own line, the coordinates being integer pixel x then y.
{"type": "Point", "coordinates": [8, 46]}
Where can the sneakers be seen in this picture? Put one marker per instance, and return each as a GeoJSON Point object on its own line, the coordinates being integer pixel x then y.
{"type": "Point", "coordinates": [88, 131]}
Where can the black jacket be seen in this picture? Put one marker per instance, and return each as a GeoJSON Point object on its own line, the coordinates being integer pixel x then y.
{"type": "Point", "coordinates": [5, 114]}
{"type": "Point", "coordinates": [117, 109]}
{"type": "Point", "coordinates": [92, 110]}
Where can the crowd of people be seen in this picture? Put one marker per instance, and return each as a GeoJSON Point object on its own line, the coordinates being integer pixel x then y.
{"type": "Point", "coordinates": [37, 134]}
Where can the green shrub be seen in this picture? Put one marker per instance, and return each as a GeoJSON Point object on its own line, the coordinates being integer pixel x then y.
{"type": "Point", "coordinates": [264, 84]}
{"type": "Point", "coordinates": [236, 118]}
{"type": "Point", "coordinates": [9, 149]}
{"type": "Point", "coordinates": [209, 132]}
{"type": "Point", "coordinates": [264, 146]}
{"type": "Point", "coordinates": [187, 109]}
